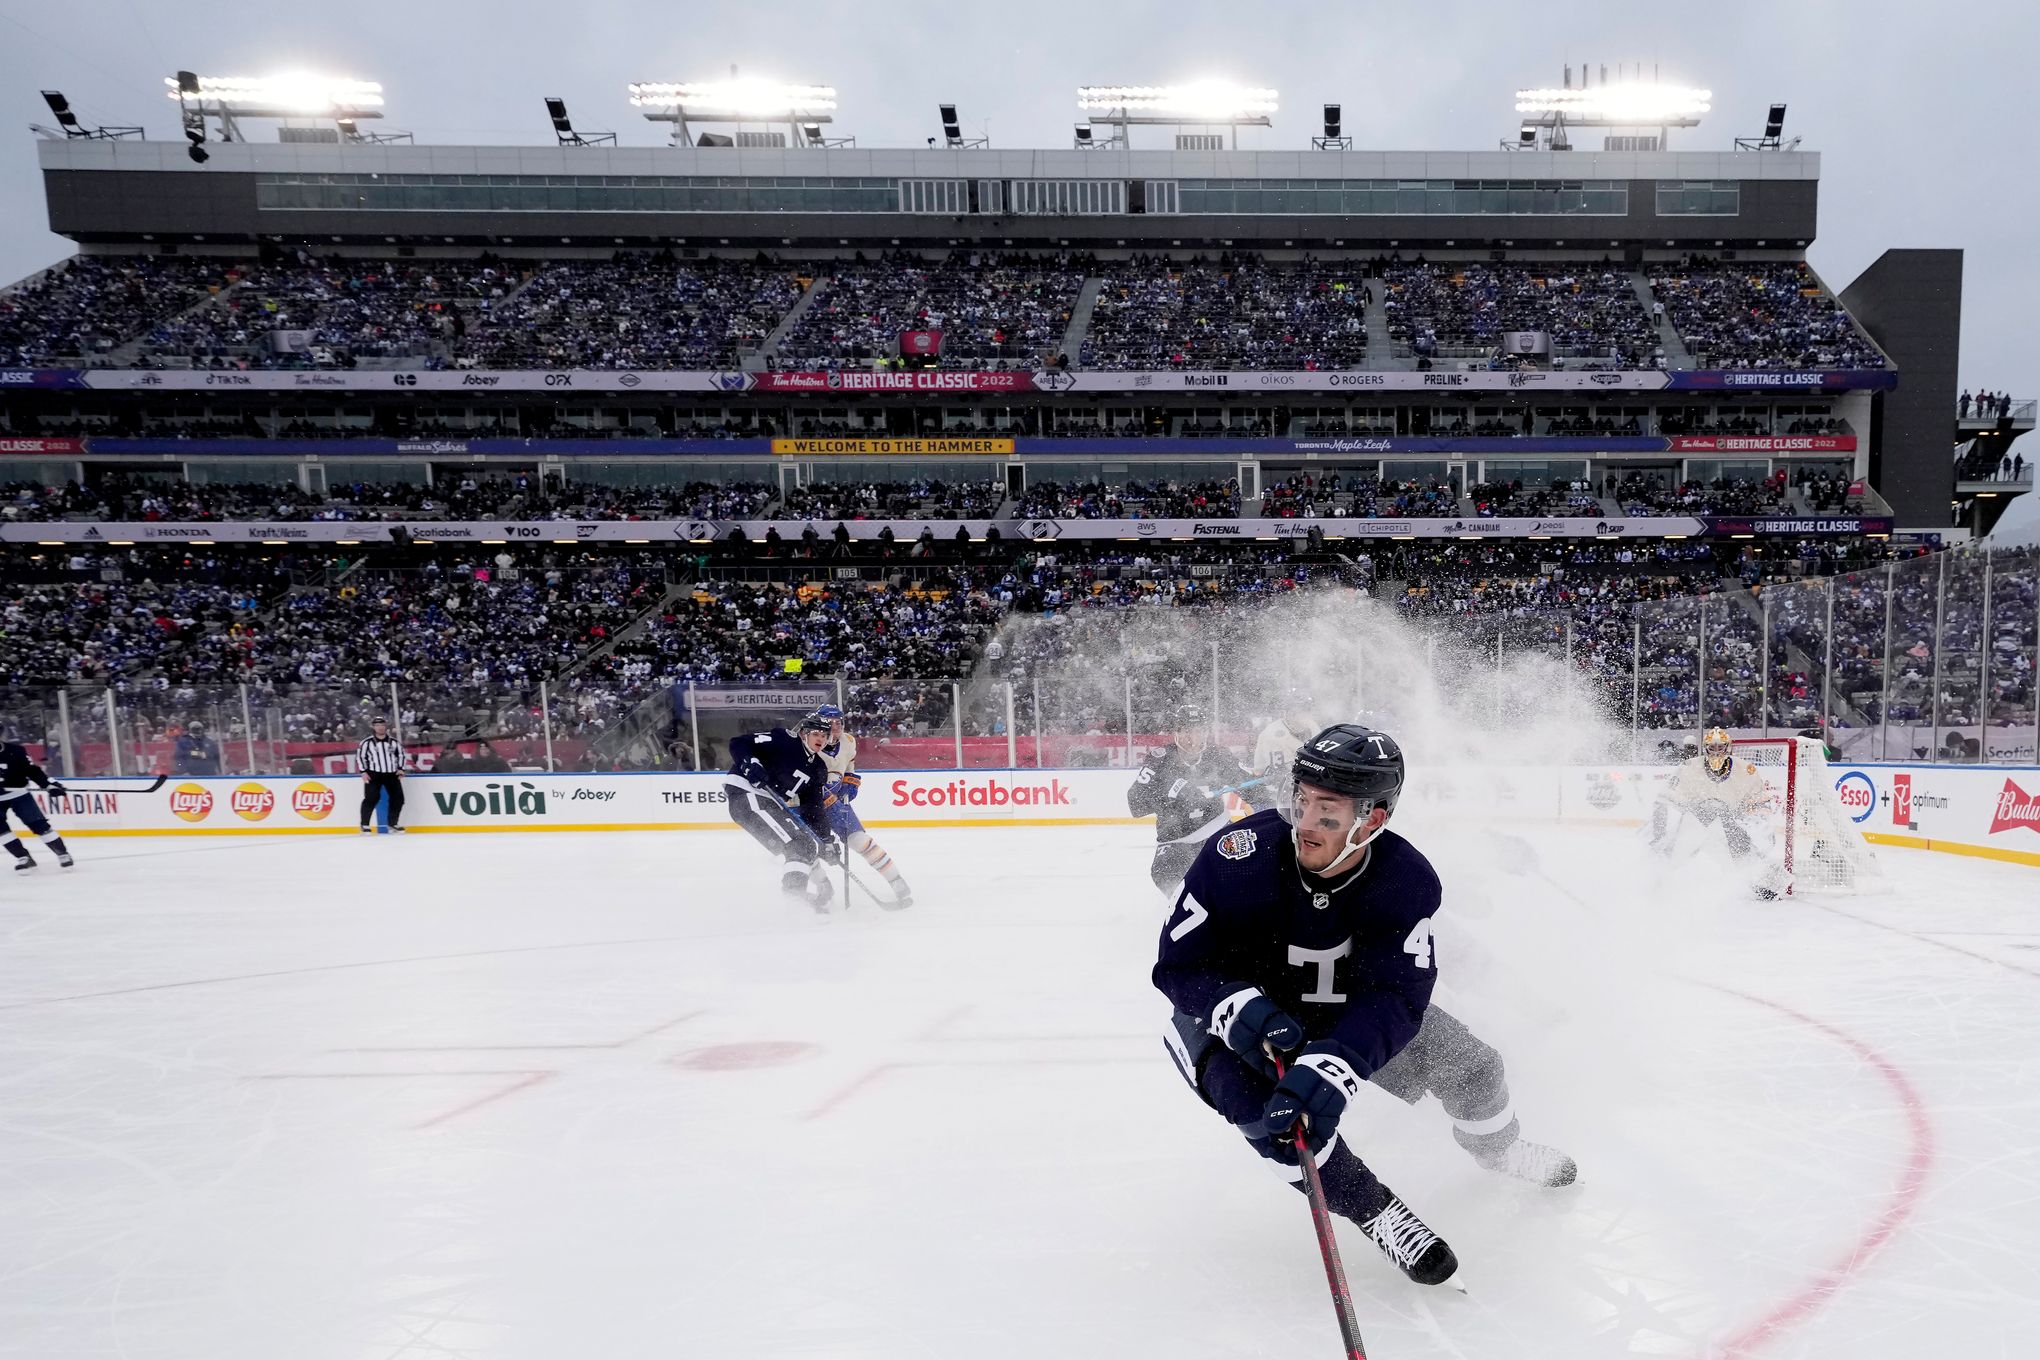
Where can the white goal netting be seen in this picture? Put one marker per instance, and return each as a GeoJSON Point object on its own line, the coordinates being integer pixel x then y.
{"type": "Point", "coordinates": [1817, 844]}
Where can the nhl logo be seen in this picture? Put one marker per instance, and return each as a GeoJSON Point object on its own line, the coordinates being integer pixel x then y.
{"type": "Point", "coordinates": [1321, 900]}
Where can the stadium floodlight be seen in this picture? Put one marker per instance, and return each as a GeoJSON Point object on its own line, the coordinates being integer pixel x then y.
{"type": "Point", "coordinates": [292, 94]}
{"type": "Point", "coordinates": [1203, 101]}
{"type": "Point", "coordinates": [1774, 133]}
{"type": "Point", "coordinates": [736, 100]}
{"type": "Point", "coordinates": [1626, 105]}
{"type": "Point", "coordinates": [759, 101]}
{"type": "Point", "coordinates": [1334, 138]}
{"type": "Point", "coordinates": [952, 129]}
{"type": "Point", "coordinates": [68, 124]}
{"type": "Point", "coordinates": [563, 126]}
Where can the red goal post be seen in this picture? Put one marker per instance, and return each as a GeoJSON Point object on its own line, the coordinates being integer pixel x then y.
{"type": "Point", "coordinates": [1819, 846]}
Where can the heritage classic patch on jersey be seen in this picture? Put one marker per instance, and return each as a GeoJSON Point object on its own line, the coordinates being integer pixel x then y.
{"type": "Point", "coordinates": [1236, 844]}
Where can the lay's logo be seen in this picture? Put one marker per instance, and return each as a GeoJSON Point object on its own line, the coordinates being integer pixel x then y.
{"type": "Point", "coordinates": [313, 801]}
{"type": "Point", "coordinates": [192, 802]}
{"type": "Point", "coordinates": [251, 802]}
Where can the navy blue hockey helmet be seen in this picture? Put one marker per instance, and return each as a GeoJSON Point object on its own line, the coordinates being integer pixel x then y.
{"type": "Point", "coordinates": [1354, 760]}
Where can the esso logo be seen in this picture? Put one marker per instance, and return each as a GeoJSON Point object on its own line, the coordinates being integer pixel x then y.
{"type": "Point", "coordinates": [251, 802]}
{"type": "Point", "coordinates": [1857, 795]}
{"type": "Point", "coordinates": [314, 801]}
{"type": "Point", "coordinates": [192, 802]}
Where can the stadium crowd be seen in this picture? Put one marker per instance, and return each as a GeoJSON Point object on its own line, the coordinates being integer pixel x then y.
{"type": "Point", "coordinates": [643, 310]}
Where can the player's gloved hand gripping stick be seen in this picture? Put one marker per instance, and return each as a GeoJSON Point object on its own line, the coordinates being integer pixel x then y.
{"type": "Point", "coordinates": [1321, 1219]}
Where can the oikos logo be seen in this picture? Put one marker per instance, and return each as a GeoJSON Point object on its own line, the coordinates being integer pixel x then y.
{"type": "Point", "coordinates": [1857, 794]}
{"type": "Point", "coordinates": [191, 802]}
{"type": "Point", "coordinates": [313, 801]}
{"type": "Point", "coordinates": [251, 802]}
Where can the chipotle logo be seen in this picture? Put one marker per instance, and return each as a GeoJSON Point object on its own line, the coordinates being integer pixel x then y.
{"type": "Point", "coordinates": [191, 802]}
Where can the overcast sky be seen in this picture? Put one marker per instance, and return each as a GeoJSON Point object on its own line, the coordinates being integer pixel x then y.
{"type": "Point", "coordinates": [1925, 116]}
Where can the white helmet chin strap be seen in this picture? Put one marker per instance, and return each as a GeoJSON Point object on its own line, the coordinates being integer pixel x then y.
{"type": "Point", "coordinates": [1351, 848]}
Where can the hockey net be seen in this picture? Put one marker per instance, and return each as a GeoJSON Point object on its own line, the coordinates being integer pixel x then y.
{"type": "Point", "coordinates": [1817, 844]}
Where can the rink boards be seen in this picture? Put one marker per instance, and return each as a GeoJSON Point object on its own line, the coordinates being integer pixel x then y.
{"type": "Point", "coordinates": [1987, 811]}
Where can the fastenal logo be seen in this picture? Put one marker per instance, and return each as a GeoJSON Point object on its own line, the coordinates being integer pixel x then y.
{"type": "Point", "coordinates": [628, 380]}
{"type": "Point", "coordinates": [313, 801]}
{"type": "Point", "coordinates": [251, 802]}
{"type": "Point", "coordinates": [191, 802]}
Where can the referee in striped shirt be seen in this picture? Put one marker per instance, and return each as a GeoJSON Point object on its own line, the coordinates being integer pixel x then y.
{"type": "Point", "coordinates": [382, 769]}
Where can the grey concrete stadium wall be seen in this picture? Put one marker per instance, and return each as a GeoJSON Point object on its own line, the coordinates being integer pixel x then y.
{"type": "Point", "coordinates": [1910, 301]}
{"type": "Point", "coordinates": [124, 205]}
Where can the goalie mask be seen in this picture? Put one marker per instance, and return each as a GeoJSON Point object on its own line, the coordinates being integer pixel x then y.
{"type": "Point", "coordinates": [1718, 753]}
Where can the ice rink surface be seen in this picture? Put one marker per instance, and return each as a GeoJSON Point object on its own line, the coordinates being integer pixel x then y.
{"type": "Point", "coordinates": [607, 1096]}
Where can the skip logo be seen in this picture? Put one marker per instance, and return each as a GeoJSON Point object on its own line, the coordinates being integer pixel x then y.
{"type": "Point", "coordinates": [523, 799]}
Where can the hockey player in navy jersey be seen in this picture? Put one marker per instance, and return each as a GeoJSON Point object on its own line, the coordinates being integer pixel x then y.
{"type": "Point", "coordinates": [1309, 940]}
{"type": "Point", "coordinates": [1184, 789]}
{"type": "Point", "coordinates": [839, 756]}
{"type": "Point", "coordinates": [776, 786]}
{"type": "Point", "coordinates": [17, 773]}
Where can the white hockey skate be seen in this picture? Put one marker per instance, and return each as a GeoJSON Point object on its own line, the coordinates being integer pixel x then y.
{"type": "Point", "coordinates": [1537, 1163]}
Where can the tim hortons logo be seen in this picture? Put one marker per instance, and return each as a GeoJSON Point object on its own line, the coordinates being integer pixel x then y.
{"type": "Point", "coordinates": [251, 802]}
{"type": "Point", "coordinates": [2016, 808]}
{"type": "Point", "coordinates": [313, 801]}
{"type": "Point", "coordinates": [192, 802]}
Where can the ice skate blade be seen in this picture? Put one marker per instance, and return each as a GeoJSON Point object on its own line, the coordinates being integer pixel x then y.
{"type": "Point", "coordinates": [1453, 1281]}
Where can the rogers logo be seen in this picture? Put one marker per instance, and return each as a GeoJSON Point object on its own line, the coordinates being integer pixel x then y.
{"type": "Point", "coordinates": [2016, 808]}
{"type": "Point", "coordinates": [251, 802]}
{"type": "Point", "coordinates": [991, 793]}
{"type": "Point", "coordinates": [192, 802]}
{"type": "Point", "coordinates": [314, 801]}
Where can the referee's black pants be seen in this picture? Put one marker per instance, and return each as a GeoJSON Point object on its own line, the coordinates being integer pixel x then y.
{"type": "Point", "coordinates": [373, 786]}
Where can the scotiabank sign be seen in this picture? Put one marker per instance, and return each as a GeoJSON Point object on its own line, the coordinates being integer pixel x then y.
{"type": "Point", "coordinates": [984, 791]}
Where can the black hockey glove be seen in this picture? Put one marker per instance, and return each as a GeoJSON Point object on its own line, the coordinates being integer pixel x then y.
{"type": "Point", "coordinates": [1257, 1026]}
{"type": "Point", "coordinates": [55, 789]}
{"type": "Point", "coordinates": [751, 771]}
{"type": "Point", "coordinates": [1315, 1090]}
{"type": "Point", "coordinates": [832, 850]}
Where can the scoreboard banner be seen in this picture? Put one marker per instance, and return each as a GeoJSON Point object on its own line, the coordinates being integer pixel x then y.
{"type": "Point", "coordinates": [937, 380]}
{"type": "Point", "coordinates": [1363, 447]}
{"type": "Point", "coordinates": [60, 533]}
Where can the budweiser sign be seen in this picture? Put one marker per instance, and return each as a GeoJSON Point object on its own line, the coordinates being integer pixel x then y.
{"type": "Point", "coordinates": [2016, 808]}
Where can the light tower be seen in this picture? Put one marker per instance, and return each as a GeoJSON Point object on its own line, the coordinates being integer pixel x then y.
{"type": "Point", "coordinates": [226, 100]}
{"type": "Point", "coordinates": [1203, 104]}
{"type": "Point", "coordinates": [1637, 105]}
{"type": "Point", "coordinates": [740, 101]}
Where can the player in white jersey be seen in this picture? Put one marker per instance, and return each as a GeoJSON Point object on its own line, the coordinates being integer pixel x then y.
{"type": "Point", "coordinates": [1713, 790]}
{"type": "Point", "coordinates": [840, 758]}
{"type": "Point", "coordinates": [1277, 744]}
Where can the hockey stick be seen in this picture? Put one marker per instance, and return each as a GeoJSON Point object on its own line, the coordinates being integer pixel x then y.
{"type": "Point", "coordinates": [161, 780]}
{"type": "Point", "coordinates": [882, 903]}
{"type": "Point", "coordinates": [1328, 1245]}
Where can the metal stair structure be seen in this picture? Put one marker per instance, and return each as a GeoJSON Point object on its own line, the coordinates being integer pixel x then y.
{"type": "Point", "coordinates": [1080, 318]}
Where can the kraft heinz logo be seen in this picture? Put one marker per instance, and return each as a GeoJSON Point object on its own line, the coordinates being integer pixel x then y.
{"type": "Point", "coordinates": [990, 793]}
{"type": "Point", "coordinates": [2016, 808]}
